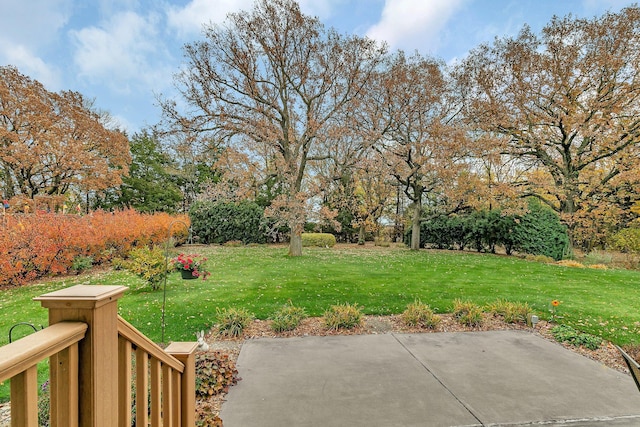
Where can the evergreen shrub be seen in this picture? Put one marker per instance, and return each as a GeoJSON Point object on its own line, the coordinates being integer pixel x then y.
{"type": "Point", "coordinates": [221, 222]}
{"type": "Point", "coordinates": [540, 232]}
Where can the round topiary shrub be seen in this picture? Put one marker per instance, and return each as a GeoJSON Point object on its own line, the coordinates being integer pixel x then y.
{"type": "Point", "coordinates": [322, 240]}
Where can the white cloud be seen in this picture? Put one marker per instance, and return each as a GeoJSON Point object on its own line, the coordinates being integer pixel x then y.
{"type": "Point", "coordinates": [34, 23]}
{"type": "Point", "coordinates": [28, 29]}
{"type": "Point", "coordinates": [30, 64]}
{"type": "Point", "coordinates": [122, 51]}
{"type": "Point", "coordinates": [410, 23]}
{"type": "Point", "coordinates": [122, 123]}
{"type": "Point", "coordinates": [188, 21]}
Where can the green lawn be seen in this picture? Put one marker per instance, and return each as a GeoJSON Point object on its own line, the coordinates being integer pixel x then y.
{"type": "Point", "coordinates": [382, 281]}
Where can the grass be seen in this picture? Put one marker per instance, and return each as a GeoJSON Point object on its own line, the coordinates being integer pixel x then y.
{"type": "Point", "coordinates": [261, 279]}
{"type": "Point", "coordinates": [382, 281]}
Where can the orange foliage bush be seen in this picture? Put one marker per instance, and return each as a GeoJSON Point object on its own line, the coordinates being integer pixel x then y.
{"type": "Point", "coordinates": [45, 244]}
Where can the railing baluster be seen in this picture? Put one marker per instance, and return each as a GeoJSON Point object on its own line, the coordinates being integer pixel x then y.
{"type": "Point", "coordinates": [167, 396]}
{"type": "Point", "coordinates": [63, 387]}
{"type": "Point", "coordinates": [142, 387]}
{"type": "Point", "coordinates": [177, 396]}
{"type": "Point", "coordinates": [156, 398]}
{"type": "Point", "coordinates": [124, 382]}
{"type": "Point", "coordinates": [24, 398]}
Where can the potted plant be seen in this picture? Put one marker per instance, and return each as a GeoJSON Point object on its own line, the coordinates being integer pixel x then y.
{"type": "Point", "coordinates": [191, 266]}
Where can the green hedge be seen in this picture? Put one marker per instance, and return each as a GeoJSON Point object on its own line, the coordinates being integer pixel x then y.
{"type": "Point", "coordinates": [221, 222]}
{"type": "Point", "coordinates": [323, 240]}
{"type": "Point", "coordinates": [538, 232]}
{"type": "Point", "coordinates": [626, 240]}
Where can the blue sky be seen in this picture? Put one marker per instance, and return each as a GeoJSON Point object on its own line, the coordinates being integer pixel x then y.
{"type": "Point", "coordinates": [123, 53]}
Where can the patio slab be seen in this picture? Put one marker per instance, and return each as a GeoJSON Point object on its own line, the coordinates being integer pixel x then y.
{"type": "Point", "coordinates": [443, 379]}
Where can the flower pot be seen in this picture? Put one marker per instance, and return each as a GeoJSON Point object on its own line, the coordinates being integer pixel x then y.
{"type": "Point", "coordinates": [187, 274]}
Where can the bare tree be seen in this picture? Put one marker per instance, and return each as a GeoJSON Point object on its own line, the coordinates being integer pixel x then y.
{"type": "Point", "coordinates": [273, 76]}
{"type": "Point", "coordinates": [420, 136]}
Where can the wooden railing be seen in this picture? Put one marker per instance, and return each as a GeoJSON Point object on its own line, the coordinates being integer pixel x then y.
{"type": "Point", "coordinates": [170, 381]}
{"type": "Point", "coordinates": [19, 362]}
{"type": "Point", "coordinates": [94, 355]}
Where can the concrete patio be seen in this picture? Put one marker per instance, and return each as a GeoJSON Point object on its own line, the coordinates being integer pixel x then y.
{"type": "Point", "coordinates": [498, 378]}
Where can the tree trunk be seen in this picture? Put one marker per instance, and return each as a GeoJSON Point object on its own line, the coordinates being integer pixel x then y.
{"type": "Point", "coordinates": [568, 209]}
{"type": "Point", "coordinates": [361, 235]}
{"type": "Point", "coordinates": [295, 244]}
{"type": "Point", "coordinates": [415, 226]}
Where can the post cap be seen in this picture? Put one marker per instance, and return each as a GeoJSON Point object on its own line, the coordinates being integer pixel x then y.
{"type": "Point", "coordinates": [81, 296]}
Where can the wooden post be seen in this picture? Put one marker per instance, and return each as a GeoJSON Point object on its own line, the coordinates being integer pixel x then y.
{"type": "Point", "coordinates": [185, 352]}
{"type": "Point", "coordinates": [98, 353]}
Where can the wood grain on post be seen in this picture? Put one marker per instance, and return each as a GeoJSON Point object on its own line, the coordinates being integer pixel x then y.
{"type": "Point", "coordinates": [98, 352]}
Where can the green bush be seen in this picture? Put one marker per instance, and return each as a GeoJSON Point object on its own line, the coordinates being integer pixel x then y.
{"type": "Point", "coordinates": [467, 313]}
{"type": "Point", "coordinates": [81, 263]}
{"type": "Point", "coordinates": [232, 321]}
{"type": "Point", "coordinates": [487, 229]}
{"type": "Point", "coordinates": [512, 312]}
{"type": "Point", "coordinates": [149, 264]}
{"type": "Point", "coordinates": [565, 333]}
{"type": "Point", "coordinates": [215, 373]}
{"type": "Point", "coordinates": [420, 314]}
{"type": "Point", "coordinates": [540, 232]}
{"type": "Point", "coordinates": [342, 316]}
{"type": "Point", "coordinates": [287, 318]}
{"type": "Point", "coordinates": [221, 222]}
{"type": "Point", "coordinates": [323, 240]}
{"type": "Point", "coordinates": [118, 263]}
{"type": "Point", "coordinates": [626, 240]}
{"type": "Point", "coordinates": [439, 232]}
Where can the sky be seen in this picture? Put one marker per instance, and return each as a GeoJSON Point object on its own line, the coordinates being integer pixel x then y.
{"type": "Point", "coordinates": [123, 53]}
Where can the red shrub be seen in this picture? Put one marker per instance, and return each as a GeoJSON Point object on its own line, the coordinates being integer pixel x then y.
{"type": "Point", "coordinates": [45, 244]}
